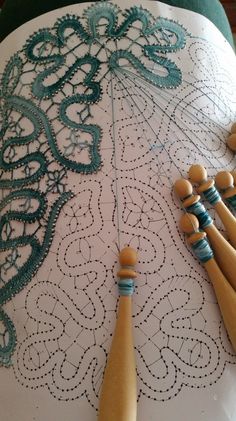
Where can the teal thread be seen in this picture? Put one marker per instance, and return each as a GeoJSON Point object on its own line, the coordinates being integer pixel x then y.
{"type": "Point", "coordinates": [9, 345]}
{"type": "Point", "coordinates": [9, 78]}
{"type": "Point", "coordinates": [199, 210]}
{"type": "Point", "coordinates": [126, 287]}
{"type": "Point", "coordinates": [203, 250]}
{"type": "Point", "coordinates": [55, 181]}
{"type": "Point", "coordinates": [71, 22]}
{"type": "Point", "coordinates": [56, 59]}
{"type": "Point", "coordinates": [27, 109]}
{"type": "Point", "coordinates": [41, 91]}
{"type": "Point", "coordinates": [163, 28]}
{"type": "Point", "coordinates": [212, 195]}
{"type": "Point", "coordinates": [135, 14]}
{"type": "Point", "coordinates": [110, 13]}
{"type": "Point", "coordinates": [232, 201]}
{"type": "Point", "coordinates": [44, 164]}
{"type": "Point", "coordinates": [88, 82]}
{"type": "Point", "coordinates": [173, 78]}
{"type": "Point", "coordinates": [38, 251]}
{"type": "Point", "coordinates": [168, 28]}
{"type": "Point", "coordinates": [30, 109]}
{"type": "Point", "coordinates": [19, 215]}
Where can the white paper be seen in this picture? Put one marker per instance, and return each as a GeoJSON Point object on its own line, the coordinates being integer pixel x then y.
{"type": "Point", "coordinates": [65, 316]}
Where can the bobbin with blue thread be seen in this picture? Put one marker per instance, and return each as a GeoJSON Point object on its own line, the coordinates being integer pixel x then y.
{"type": "Point", "coordinates": [198, 175]}
{"type": "Point", "coordinates": [118, 400]}
{"type": "Point", "coordinates": [191, 202]}
{"type": "Point", "coordinates": [197, 239]}
{"type": "Point", "coordinates": [225, 183]}
{"type": "Point", "coordinates": [225, 294]}
{"type": "Point", "coordinates": [126, 286]}
{"type": "Point", "coordinates": [127, 259]}
{"type": "Point", "coordinates": [223, 250]}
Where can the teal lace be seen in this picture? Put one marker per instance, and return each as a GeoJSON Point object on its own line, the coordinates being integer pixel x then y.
{"type": "Point", "coordinates": [34, 163]}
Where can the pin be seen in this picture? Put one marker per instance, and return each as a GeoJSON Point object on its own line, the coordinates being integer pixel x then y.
{"type": "Point", "coordinates": [225, 294]}
{"type": "Point", "coordinates": [225, 184]}
{"type": "Point", "coordinates": [118, 401]}
{"type": "Point", "coordinates": [225, 254]}
{"type": "Point", "coordinates": [198, 175]}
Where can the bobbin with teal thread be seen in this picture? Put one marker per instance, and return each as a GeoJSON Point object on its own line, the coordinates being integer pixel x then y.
{"type": "Point", "coordinates": [203, 250]}
{"type": "Point", "coordinates": [232, 201]}
{"type": "Point", "coordinates": [212, 195]}
{"type": "Point", "coordinates": [126, 287]}
{"type": "Point", "coordinates": [200, 211]}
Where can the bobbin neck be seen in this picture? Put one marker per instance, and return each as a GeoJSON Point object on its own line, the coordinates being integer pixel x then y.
{"type": "Point", "coordinates": [205, 185]}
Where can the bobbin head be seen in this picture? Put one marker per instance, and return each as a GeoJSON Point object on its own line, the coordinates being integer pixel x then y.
{"type": "Point", "coordinates": [183, 188]}
{"type": "Point", "coordinates": [234, 176]}
{"type": "Point", "coordinates": [224, 180]}
{"type": "Point", "coordinates": [197, 174]}
{"type": "Point", "coordinates": [128, 259]}
{"type": "Point", "coordinates": [189, 223]}
{"type": "Point", "coordinates": [233, 128]}
{"type": "Point", "coordinates": [231, 142]}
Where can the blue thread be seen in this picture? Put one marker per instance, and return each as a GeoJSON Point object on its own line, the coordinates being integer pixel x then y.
{"type": "Point", "coordinates": [200, 211]}
{"type": "Point", "coordinates": [38, 251]}
{"type": "Point", "coordinates": [203, 250]}
{"type": "Point", "coordinates": [171, 80]}
{"type": "Point", "coordinates": [9, 345]}
{"type": "Point", "coordinates": [11, 75]}
{"type": "Point", "coordinates": [47, 50]}
{"type": "Point", "coordinates": [71, 22]}
{"type": "Point", "coordinates": [126, 287]}
{"type": "Point", "coordinates": [212, 195]}
{"type": "Point", "coordinates": [232, 201]}
{"type": "Point", "coordinates": [163, 28]}
{"type": "Point", "coordinates": [23, 106]}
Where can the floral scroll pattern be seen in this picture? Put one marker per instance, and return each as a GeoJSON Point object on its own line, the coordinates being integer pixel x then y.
{"type": "Point", "coordinates": [47, 89]}
{"type": "Point", "coordinates": [99, 113]}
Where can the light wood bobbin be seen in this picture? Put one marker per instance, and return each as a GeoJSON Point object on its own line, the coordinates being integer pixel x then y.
{"type": "Point", "coordinates": [225, 294]}
{"type": "Point", "coordinates": [118, 401]}
{"type": "Point", "coordinates": [198, 175]}
{"type": "Point", "coordinates": [223, 250]}
{"type": "Point", "coordinates": [225, 183]}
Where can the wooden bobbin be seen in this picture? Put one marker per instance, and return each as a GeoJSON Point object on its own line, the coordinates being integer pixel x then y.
{"type": "Point", "coordinates": [231, 142]}
{"type": "Point", "coordinates": [234, 176]}
{"type": "Point", "coordinates": [128, 259]}
{"type": "Point", "coordinates": [233, 128]}
{"type": "Point", "coordinates": [225, 294]}
{"type": "Point", "coordinates": [189, 225]}
{"type": "Point", "coordinates": [198, 175]}
{"type": "Point", "coordinates": [118, 401]}
{"type": "Point", "coordinates": [225, 254]}
{"type": "Point", "coordinates": [183, 189]}
{"type": "Point", "coordinates": [225, 184]}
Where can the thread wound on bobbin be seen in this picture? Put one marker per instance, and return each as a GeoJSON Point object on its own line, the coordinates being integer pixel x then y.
{"type": "Point", "coordinates": [128, 259]}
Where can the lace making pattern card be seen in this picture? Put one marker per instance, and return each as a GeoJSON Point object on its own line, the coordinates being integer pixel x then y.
{"type": "Point", "coordinates": [102, 107]}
